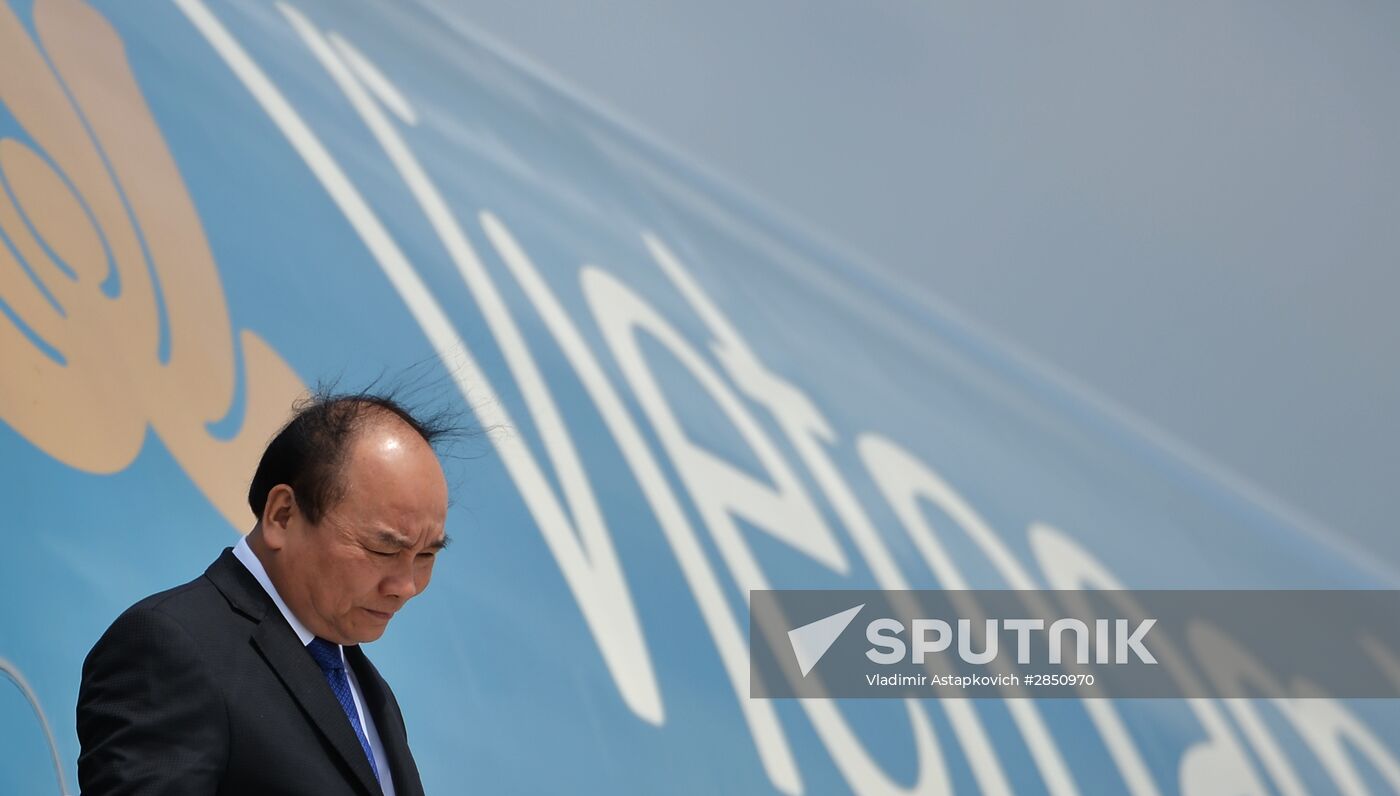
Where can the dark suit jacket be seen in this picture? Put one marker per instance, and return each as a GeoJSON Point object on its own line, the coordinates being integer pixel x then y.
{"type": "Point", "coordinates": [205, 689]}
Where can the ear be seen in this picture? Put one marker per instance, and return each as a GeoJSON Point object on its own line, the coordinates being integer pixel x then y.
{"type": "Point", "coordinates": [277, 516]}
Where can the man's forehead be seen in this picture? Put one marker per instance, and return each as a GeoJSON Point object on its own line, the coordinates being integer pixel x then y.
{"type": "Point", "coordinates": [391, 462]}
{"type": "Point", "coordinates": [387, 435]}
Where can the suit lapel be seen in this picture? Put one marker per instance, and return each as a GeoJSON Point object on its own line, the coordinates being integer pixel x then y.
{"type": "Point", "coordinates": [292, 664]}
{"type": "Point", "coordinates": [307, 685]}
{"type": "Point", "coordinates": [388, 721]}
{"type": "Point", "coordinates": [239, 587]}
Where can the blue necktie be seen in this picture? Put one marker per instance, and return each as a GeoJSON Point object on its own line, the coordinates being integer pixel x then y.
{"type": "Point", "coordinates": [327, 655]}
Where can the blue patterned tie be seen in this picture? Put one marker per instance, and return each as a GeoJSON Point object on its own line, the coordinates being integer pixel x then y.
{"type": "Point", "coordinates": [327, 655]}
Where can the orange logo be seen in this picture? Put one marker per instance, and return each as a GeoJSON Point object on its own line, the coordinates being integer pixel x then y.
{"type": "Point", "coordinates": [97, 237]}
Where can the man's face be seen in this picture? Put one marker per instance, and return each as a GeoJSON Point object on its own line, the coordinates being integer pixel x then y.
{"type": "Point", "coordinates": [347, 575]}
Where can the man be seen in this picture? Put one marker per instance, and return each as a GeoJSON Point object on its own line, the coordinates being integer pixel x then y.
{"type": "Point", "coordinates": [250, 678]}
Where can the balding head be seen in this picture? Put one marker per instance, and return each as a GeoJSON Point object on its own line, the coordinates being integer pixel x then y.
{"type": "Point", "coordinates": [351, 505]}
{"type": "Point", "coordinates": [310, 451]}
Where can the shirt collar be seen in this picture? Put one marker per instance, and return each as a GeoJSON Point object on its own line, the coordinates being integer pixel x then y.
{"type": "Point", "coordinates": [245, 554]}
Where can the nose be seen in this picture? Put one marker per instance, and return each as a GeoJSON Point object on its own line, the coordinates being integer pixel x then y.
{"type": "Point", "coordinates": [400, 584]}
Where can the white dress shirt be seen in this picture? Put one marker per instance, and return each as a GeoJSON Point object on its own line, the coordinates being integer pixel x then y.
{"type": "Point", "coordinates": [250, 560]}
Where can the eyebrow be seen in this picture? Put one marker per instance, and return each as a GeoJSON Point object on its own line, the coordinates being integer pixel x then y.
{"type": "Point", "coordinates": [392, 539]}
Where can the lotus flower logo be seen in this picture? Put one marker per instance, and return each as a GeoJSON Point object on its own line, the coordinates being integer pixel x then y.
{"type": "Point", "coordinates": [112, 315]}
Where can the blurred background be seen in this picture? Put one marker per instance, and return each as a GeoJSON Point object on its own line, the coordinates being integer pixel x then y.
{"type": "Point", "coordinates": [1192, 213]}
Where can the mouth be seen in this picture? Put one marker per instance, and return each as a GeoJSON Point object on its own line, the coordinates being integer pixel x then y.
{"type": "Point", "coordinates": [380, 615]}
